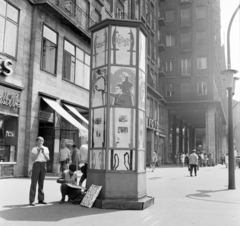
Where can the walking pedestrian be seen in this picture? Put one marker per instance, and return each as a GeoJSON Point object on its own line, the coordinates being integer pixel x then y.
{"type": "Point", "coordinates": [64, 156]}
{"type": "Point", "coordinates": [154, 160]}
{"type": "Point", "coordinates": [40, 156]}
{"type": "Point", "coordinates": [226, 160]}
{"type": "Point", "coordinates": [183, 159]}
{"type": "Point", "coordinates": [193, 162]}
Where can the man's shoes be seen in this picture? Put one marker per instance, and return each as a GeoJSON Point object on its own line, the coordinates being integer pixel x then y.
{"type": "Point", "coordinates": [191, 175]}
{"type": "Point", "coordinates": [42, 202]}
{"type": "Point", "coordinates": [32, 204]}
{"type": "Point", "coordinates": [61, 201]}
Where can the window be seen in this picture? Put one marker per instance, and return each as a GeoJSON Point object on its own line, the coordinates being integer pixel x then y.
{"type": "Point", "coordinates": [96, 16]}
{"type": "Point", "coordinates": [201, 12]}
{"type": "Point", "coordinates": [185, 66]}
{"type": "Point", "coordinates": [8, 138]}
{"type": "Point", "coordinates": [76, 65]}
{"type": "Point", "coordinates": [169, 65]}
{"type": "Point", "coordinates": [202, 88]}
{"type": "Point", "coordinates": [149, 107]}
{"type": "Point", "coordinates": [137, 10]}
{"type": "Point", "coordinates": [170, 17]}
{"type": "Point", "coordinates": [201, 63]}
{"type": "Point", "coordinates": [201, 37]}
{"type": "Point", "coordinates": [9, 21]}
{"type": "Point", "coordinates": [170, 40]}
{"type": "Point", "coordinates": [169, 90]}
{"type": "Point", "coordinates": [152, 18]}
{"type": "Point", "coordinates": [49, 50]}
{"type": "Point", "coordinates": [185, 17]}
{"type": "Point", "coordinates": [186, 41]}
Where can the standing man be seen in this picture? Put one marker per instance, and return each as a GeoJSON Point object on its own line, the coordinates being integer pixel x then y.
{"type": "Point", "coordinates": [83, 160]}
{"type": "Point", "coordinates": [193, 162]}
{"type": "Point", "coordinates": [40, 156]}
{"type": "Point", "coordinates": [64, 156]}
{"type": "Point", "coordinates": [75, 156]}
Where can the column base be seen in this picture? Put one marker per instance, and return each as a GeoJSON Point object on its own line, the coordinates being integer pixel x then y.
{"type": "Point", "coordinates": [124, 204]}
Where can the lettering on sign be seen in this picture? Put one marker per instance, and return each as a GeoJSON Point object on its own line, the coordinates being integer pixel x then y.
{"type": "Point", "coordinates": [5, 67]}
{"type": "Point", "coordinates": [121, 41]}
{"type": "Point", "coordinates": [153, 124]}
{"type": "Point", "coordinates": [11, 100]}
{"type": "Point", "coordinates": [10, 133]}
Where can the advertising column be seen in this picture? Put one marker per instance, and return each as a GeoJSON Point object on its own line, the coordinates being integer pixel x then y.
{"type": "Point", "coordinates": [117, 110]}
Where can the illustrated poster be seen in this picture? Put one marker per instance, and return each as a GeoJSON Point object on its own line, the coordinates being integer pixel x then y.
{"type": "Point", "coordinates": [123, 46]}
{"type": "Point", "coordinates": [142, 52]}
{"type": "Point", "coordinates": [98, 127]}
{"type": "Point", "coordinates": [122, 86]}
{"type": "Point", "coordinates": [122, 128]}
{"type": "Point", "coordinates": [97, 159]}
{"type": "Point", "coordinates": [141, 130]}
{"type": "Point", "coordinates": [121, 160]}
{"type": "Point", "coordinates": [99, 87]}
{"type": "Point", "coordinates": [100, 48]}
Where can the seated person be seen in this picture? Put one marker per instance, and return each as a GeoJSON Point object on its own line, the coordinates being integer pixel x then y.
{"type": "Point", "coordinates": [69, 177]}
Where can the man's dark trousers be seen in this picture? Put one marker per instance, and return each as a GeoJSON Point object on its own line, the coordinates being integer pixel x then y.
{"type": "Point", "coordinates": [192, 166]}
{"type": "Point", "coordinates": [38, 176]}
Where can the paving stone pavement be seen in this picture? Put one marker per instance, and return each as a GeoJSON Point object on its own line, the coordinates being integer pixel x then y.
{"type": "Point", "coordinates": [180, 200]}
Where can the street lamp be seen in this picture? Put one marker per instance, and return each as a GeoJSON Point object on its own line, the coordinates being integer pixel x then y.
{"type": "Point", "coordinates": [230, 85]}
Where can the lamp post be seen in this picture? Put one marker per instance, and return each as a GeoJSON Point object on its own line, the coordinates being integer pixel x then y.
{"type": "Point", "coordinates": [230, 88]}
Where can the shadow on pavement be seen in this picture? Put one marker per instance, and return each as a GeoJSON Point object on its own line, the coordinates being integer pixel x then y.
{"type": "Point", "coordinates": [51, 212]}
{"type": "Point", "coordinates": [205, 194]}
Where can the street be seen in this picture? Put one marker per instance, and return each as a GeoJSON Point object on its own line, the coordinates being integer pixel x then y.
{"type": "Point", "coordinates": [179, 200]}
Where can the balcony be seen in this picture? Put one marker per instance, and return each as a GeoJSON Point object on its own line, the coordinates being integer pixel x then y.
{"type": "Point", "coordinates": [69, 13]}
{"type": "Point", "coordinates": [162, 45]}
{"type": "Point", "coordinates": [186, 1]}
{"type": "Point", "coordinates": [161, 72]}
{"type": "Point", "coordinates": [161, 20]}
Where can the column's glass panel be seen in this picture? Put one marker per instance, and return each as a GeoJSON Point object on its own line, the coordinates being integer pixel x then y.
{"type": "Point", "coordinates": [122, 86]}
{"type": "Point", "coordinates": [142, 90]}
{"type": "Point", "coordinates": [142, 51]}
{"type": "Point", "coordinates": [97, 159]}
{"type": "Point", "coordinates": [100, 48]}
{"type": "Point", "coordinates": [122, 128]}
{"type": "Point", "coordinates": [121, 160]}
{"type": "Point", "coordinates": [98, 128]}
{"type": "Point", "coordinates": [141, 160]}
{"type": "Point", "coordinates": [123, 46]}
{"type": "Point", "coordinates": [99, 87]}
{"type": "Point", "coordinates": [141, 130]}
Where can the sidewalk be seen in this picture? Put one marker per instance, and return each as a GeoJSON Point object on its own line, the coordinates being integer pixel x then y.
{"type": "Point", "coordinates": [180, 200]}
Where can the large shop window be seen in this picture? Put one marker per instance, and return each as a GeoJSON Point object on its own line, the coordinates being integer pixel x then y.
{"type": "Point", "coordinates": [76, 65]}
{"type": "Point", "coordinates": [8, 138]}
{"type": "Point", "coordinates": [49, 50]}
{"type": "Point", "coordinates": [9, 21]}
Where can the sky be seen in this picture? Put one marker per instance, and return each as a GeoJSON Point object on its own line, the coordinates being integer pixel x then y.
{"type": "Point", "coordinates": [228, 7]}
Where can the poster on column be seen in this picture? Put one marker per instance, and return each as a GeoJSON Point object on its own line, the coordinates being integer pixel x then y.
{"type": "Point", "coordinates": [122, 86]}
{"type": "Point", "coordinates": [97, 159]}
{"type": "Point", "coordinates": [141, 130]}
{"type": "Point", "coordinates": [123, 46]}
{"type": "Point", "coordinates": [98, 128]}
{"type": "Point", "coordinates": [99, 87]}
{"type": "Point", "coordinates": [100, 48]}
{"type": "Point", "coordinates": [122, 128]}
{"type": "Point", "coordinates": [142, 90]}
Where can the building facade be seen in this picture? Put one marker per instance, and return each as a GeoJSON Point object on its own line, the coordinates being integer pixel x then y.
{"type": "Point", "coordinates": [193, 85]}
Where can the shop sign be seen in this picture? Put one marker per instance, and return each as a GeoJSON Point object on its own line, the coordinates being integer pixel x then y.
{"type": "Point", "coordinates": [5, 67]}
{"type": "Point", "coordinates": [10, 100]}
{"type": "Point", "coordinates": [10, 134]}
{"type": "Point", "coordinates": [153, 124]}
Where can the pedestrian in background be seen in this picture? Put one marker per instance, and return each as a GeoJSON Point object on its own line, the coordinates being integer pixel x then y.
{"type": "Point", "coordinates": [75, 156]}
{"type": "Point", "coordinates": [183, 159]}
{"type": "Point", "coordinates": [222, 159]}
{"type": "Point", "coordinates": [154, 160]}
{"type": "Point", "coordinates": [40, 156]}
{"type": "Point", "coordinates": [226, 160]}
{"type": "Point", "coordinates": [64, 156]}
{"type": "Point", "coordinates": [187, 159]}
{"type": "Point", "coordinates": [193, 162]}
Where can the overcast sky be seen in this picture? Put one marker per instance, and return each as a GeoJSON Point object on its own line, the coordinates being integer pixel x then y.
{"type": "Point", "coordinates": [227, 9]}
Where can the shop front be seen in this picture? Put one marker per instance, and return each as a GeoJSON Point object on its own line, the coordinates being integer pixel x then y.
{"type": "Point", "coordinates": [59, 120]}
{"type": "Point", "coordinates": [10, 103]}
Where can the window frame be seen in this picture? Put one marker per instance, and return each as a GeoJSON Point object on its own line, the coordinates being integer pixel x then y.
{"type": "Point", "coordinates": [17, 35]}
{"type": "Point", "coordinates": [171, 41]}
{"type": "Point", "coordinates": [41, 60]}
{"type": "Point", "coordinates": [185, 23]}
{"type": "Point", "coordinates": [201, 58]}
{"type": "Point", "coordinates": [197, 12]}
{"type": "Point", "coordinates": [171, 61]}
{"type": "Point", "coordinates": [169, 90]}
{"type": "Point", "coordinates": [186, 59]}
{"type": "Point", "coordinates": [84, 58]}
{"type": "Point", "coordinates": [201, 41]}
{"type": "Point", "coordinates": [200, 87]}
